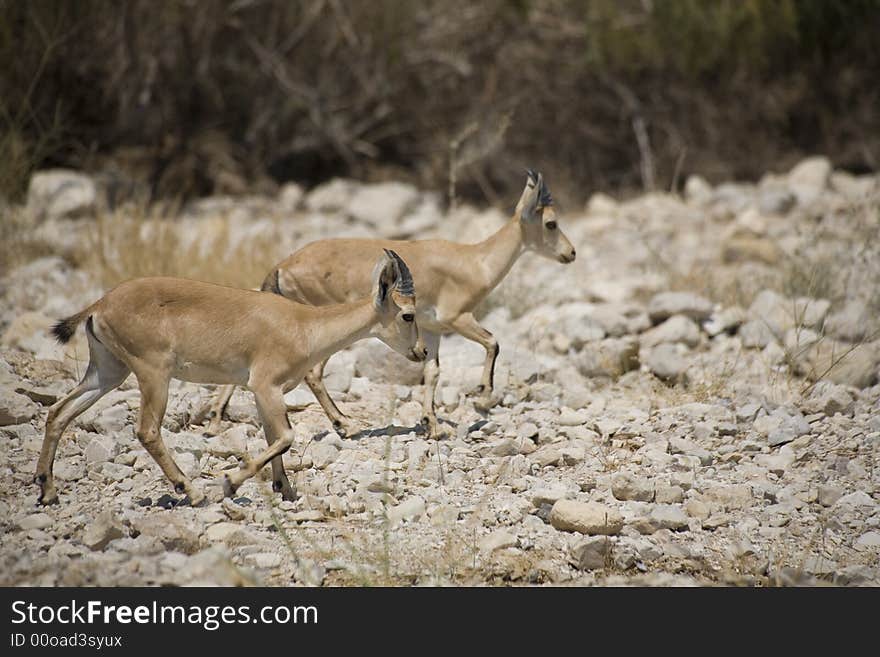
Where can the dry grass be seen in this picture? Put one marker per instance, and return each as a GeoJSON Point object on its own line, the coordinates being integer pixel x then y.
{"type": "Point", "coordinates": [16, 246]}
{"type": "Point", "coordinates": [148, 242]}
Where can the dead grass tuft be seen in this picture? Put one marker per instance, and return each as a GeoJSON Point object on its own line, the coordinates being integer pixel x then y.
{"type": "Point", "coordinates": [149, 242]}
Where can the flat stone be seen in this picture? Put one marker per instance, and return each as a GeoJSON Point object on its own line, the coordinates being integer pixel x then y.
{"type": "Point", "coordinates": [855, 500]}
{"type": "Point", "coordinates": [677, 328]}
{"type": "Point", "coordinates": [527, 430]}
{"type": "Point", "coordinates": [625, 486]}
{"type": "Point", "coordinates": [116, 471]}
{"type": "Point", "coordinates": [497, 540]}
{"type": "Point", "coordinates": [16, 408]}
{"type": "Point", "coordinates": [828, 495]}
{"type": "Point", "coordinates": [570, 418]}
{"type": "Point", "coordinates": [589, 553]}
{"type": "Point", "coordinates": [726, 321]}
{"type": "Point", "coordinates": [755, 334]}
{"type": "Point", "coordinates": [307, 515]}
{"type": "Point", "coordinates": [669, 495]}
{"type": "Point", "coordinates": [733, 496]}
{"type": "Point", "coordinates": [669, 516]}
{"type": "Point", "coordinates": [697, 509]}
{"type": "Point", "coordinates": [666, 304]}
{"type": "Point", "coordinates": [679, 445]}
{"type": "Point", "coordinates": [868, 541]}
{"type": "Point", "coordinates": [102, 530]}
{"type": "Point", "coordinates": [585, 517]}
{"type": "Point", "coordinates": [610, 357]}
{"type": "Point", "coordinates": [173, 532]}
{"type": "Point", "coordinates": [264, 559]}
{"type": "Point", "coordinates": [220, 532]}
{"type": "Point", "coordinates": [101, 449]}
{"type": "Point", "coordinates": [36, 521]}
{"type": "Point", "coordinates": [410, 509]}
{"type": "Point", "coordinates": [667, 362]}
{"type": "Point", "coordinates": [549, 494]}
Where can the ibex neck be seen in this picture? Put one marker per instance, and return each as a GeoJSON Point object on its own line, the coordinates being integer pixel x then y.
{"type": "Point", "coordinates": [338, 326]}
{"type": "Point", "coordinates": [498, 252]}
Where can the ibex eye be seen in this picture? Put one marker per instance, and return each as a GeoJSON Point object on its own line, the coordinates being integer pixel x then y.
{"type": "Point", "coordinates": [408, 317]}
{"type": "Point", "coordinates": [551, 225]}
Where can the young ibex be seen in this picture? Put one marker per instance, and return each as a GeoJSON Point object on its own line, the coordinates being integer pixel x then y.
{"type": "Point", "coordinates": [452, 280]}
{"type": "Point", "coordinates": [164, 328]}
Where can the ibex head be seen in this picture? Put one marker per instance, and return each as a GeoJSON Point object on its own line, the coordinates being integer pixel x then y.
{"type": "Point", "coordinates": [394, 298]}
{"type": "Point", "coordinates": [540, 230]}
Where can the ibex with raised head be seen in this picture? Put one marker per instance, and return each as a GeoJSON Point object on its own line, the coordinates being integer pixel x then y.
{"type": "Point", "coordinates": [452, 280]}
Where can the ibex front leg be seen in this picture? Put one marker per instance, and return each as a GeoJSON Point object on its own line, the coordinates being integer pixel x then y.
{"type": "Point", "coordinates": [467, 326]}
{"type": "Point", "coordinates": [430, 374]}
{"type": "Point", "coordinates": [279, 435]}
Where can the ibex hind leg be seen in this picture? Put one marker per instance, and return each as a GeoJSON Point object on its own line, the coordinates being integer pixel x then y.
{"type": "Point", "coordinates": [213, 410]}
{"type": "Point", "coordinates": [154, 399]}
{"type": "Point", "coordinates": [342, 424]}
{"type": "Point", "coordinates": [467, 326]}
{"type": "Point", "coordinates": [104, 373]}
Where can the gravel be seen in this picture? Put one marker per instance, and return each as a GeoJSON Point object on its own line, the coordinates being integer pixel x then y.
{"type": "Point", "coordinates": [652, 427]}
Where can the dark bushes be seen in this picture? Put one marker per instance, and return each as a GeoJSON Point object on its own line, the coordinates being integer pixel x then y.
{"type": "Point", "coordinates": [194, 97]}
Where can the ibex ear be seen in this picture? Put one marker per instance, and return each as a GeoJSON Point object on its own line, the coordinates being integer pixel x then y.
{"type": "Point", "coordinates": [529, 201]}
{"type": "Point", "coordinates": [385, 274]}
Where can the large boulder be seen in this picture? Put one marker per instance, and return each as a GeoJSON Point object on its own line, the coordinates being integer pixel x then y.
{"type": "Point", "coordinates": [383, 205]}
{"type": "Point", "coordinates": [589, 518]}
{"type": "Point", "coordinates": [809, 178]}
{"type": "Point", "coordinates": [15, 408]}
{"type": "Point", "coordinates": [667, 361]}
{"type": "Point", "coordinates": [839, 362]}
{"type": "Point", "coordinates": [677, 328]}
{"type": "Point", "coordinates": [853, 323]}
{"type": "Point", "coordinates": [56, 193]}
{"type": "Point", "coordinates": [611, 357]}
{"type": "Point", "coordinates": [331, 196]}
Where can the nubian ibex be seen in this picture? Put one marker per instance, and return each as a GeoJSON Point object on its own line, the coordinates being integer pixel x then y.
{"type": "Point", "coordinates": [452, 280]}
{"type": "Point", "coordinates": [164, 328]}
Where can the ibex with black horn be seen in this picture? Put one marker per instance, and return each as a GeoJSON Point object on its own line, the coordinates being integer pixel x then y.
{"type": "Point", "coordinates": [164, 328]}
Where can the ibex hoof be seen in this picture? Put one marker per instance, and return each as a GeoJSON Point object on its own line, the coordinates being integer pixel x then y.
{"type": "Point", "coordinates": [346, 428]}
{"type": "Point", "coordinates": [47, 500]}
{"type": "Point", "coordinates": [485, 403]}
{"type": "Point", "coordinates": [212, 429]}
{"type": "Point", "coordinates": [228, 487]}
{"type": "Point", "coordinates": [432, 429]}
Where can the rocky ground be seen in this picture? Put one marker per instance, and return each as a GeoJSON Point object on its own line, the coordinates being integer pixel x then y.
{"type": "Point", "coordinates": [694, 401]}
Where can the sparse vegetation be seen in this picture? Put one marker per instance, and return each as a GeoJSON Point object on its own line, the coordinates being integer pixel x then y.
{"type": "Point", "coordinates": [147, 242]}
{"type": "Point", "coordinates": [227, 96]}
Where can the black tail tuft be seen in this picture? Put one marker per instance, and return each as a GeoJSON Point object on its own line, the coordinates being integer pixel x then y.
{"type": "Point", "coordinates": [64, 329]}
